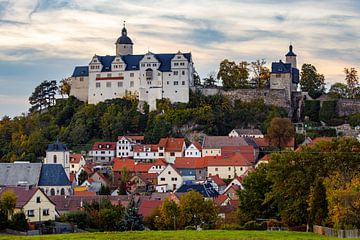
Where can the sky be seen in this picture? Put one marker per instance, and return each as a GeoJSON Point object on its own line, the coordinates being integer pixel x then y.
{"type": "Point", "coordinates": [44, 39]}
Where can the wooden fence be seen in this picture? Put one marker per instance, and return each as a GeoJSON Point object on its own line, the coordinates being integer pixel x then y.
{"type": "Point", "coordinates": [337, 233]}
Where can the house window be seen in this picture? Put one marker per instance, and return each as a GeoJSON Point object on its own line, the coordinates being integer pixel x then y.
{"type": "Point", "coordinates": [46, 212]}
{"type": "Point", "coordinates": [176, 83]}
{"type": "Point", "coordinates": [154, 64]}
{"type": "Point", "coordinates": [162, 179]}
{"type": "Point", "coordinates": [62, 192]}
{"type": "Point", "coordinates": [97, 85]}
{"type": "Point", "coordinates": [38, 200]}
{"type": "Point", "coordinates": [55, 158]}
{"type": "Point", "coordinates": [169, 172]}
{"type": "Point", "coordinates": [229, 168]}
{"type": "Point", "coordinates": [167, 83]}
{"type": "Point", "coordinates": [131, 83]}
{"type": "Point", "coordinates": [161, 154]}
{"type": "Point", "coordinates": [143, 65]}
{"type": "Point", "coordinates": [108, 84]}
{"type": "Point", "coordinates": [216, 169]}
{"type": "Point", "coordinates": [172, 154]}
{"type": "Point", "coordinates": [30, 213]}
{"type": "Point", "coordinates": [229, 176]}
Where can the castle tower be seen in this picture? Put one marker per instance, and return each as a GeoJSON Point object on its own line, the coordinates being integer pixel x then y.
{"type": "Point", "coordinates": [124, 45]}
{"type": "Point", "coordinates": [58, 153]}
{"type": "Point", "coordinates": [291, 57]}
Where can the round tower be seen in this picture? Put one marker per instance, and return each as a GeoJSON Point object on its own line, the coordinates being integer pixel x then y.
{"type": "Point", "coordinates": [291, 57]}
{"type": "Point", "coordinates": [124, 45]}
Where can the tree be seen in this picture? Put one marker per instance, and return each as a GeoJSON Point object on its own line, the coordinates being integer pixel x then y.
{"type": "Point", "coordinates": [339, 90]}
{"type": "Point", "coordinates": [83, 176]}
{"type": "Point", "coordinates": [210, 80]}
{"type": "Point", "coordinates": [261, 73]}
{"type": "Point", "coordinates": [112, 218]}
{"type": "Point", "coordinates": [19, 222]}
{"type": "Point", "coordinates": [65, 87]}
{"type": "Point", "coordinates": [195, 211]}
{"type": "Point", "coordinates": [318, 205]}
{"type": "Point", "coordinates": [168, 216]}
{"type": "Point", "coordinates": [43, 96]}
{"type": "Point", "coordinates": [197, 80]}
{"type": "Point", "coordinates": [233, 75]}
{"type": "Point", "coordinates": [311, 81]}
{"type": "Point", "coordinates": [280, 132]}
{"type": "Point", "coordinates": [352, 80]}
{"type": "Point", "coordinates": [123, 181]}
{"type": "Point", "coordinates": [132, 219]}
{"type": "Point", "coordinates": [8, 202]}
{"type": "Point", "coordinates": [252, 197]}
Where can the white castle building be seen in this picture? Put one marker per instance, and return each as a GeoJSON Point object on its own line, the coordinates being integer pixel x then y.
{"type": "Point", "coordinates": [148, 77]}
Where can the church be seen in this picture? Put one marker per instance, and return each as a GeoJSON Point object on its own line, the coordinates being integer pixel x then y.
{"type": "Point", "coordinates": [148, 77]}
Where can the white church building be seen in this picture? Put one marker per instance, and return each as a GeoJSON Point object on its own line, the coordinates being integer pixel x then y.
{"type": "Point", "coordinates": [148, 77]}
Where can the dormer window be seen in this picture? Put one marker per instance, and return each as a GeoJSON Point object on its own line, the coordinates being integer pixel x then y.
{"type": "Point", "coordinates": [118, 60]}
{"type": "Point", "coordinates": [95, 61]}
{"type": "Point", "coordinates": [148, 58]}
{"type": "Point", "coordinates": [178, 57]}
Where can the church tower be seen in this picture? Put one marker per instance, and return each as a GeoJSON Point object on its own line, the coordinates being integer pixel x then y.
{"type": "Point", "coordinates": [58, 153]}
{"type": "Point", "coordinates": [124, 45]}
{"type": "Point", "coordinates": [291, 57]}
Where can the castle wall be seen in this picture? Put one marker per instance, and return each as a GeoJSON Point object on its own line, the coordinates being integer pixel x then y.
{"type": "Point", "coordinates": [347, 107]}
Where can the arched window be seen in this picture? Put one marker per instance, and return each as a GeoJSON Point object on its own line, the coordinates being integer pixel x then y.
{"type": "Point", "coordinates": [52, 192]}
{"type": "Point", "coordinates": [149, 74]}
{"type": "Point", "coordinates": [55, 158]}
{"type": "Point", "coordinates": [62, 192]}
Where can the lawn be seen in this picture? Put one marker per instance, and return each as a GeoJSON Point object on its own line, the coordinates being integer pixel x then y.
{"type": "Point", "coordinates": [173, 235]}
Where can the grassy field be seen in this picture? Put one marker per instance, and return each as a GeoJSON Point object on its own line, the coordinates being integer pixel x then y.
{"type": "Point", "coordinates": [174, 235]}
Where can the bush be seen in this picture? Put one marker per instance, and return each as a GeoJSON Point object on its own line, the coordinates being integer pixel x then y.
{"type": "Point", "coordinates": [252, 225]}
{"type": "Point", "coordinates": [190, 228]}
{"type": "Point", "coordinates": [80, 218]}
{"type": "Point", "coordinates": [327, 111]}
{"type": "Point", "coordinates": [312, 109]}
{"type": "Point", "coordinates": [231, 226]}
{"type": "Point", "coordinates": [19, 222]}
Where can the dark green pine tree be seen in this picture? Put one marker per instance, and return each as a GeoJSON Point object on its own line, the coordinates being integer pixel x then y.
{"type": "Point", "coordinates": [132, 219]}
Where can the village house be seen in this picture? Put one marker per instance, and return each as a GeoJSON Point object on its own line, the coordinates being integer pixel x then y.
{"type": "Point", "coordinates": [212, 144]}
{"type": "Point", "coordinates": [76, 162]}
{"type": "Point", "coordinates": [228, 168]}
{"type": "Point", "coordinates": [103, 151]}
{"type": "Point", "coordinates": [125, 144]}
{"type": "Point", "coordinates": [33, 202]}
{"type": "Point", "coordinates": [171, 148]}
{"type": "Point", "coordinates": [194, 150]}
{"type": "Point", "coordinates": [233, 187]}
{"type": "Point", "coordinates": [191, 168]}
{"type": "Point", "coordinates": [146, 153]}
{"type": "Point", "coordinates": [246, 132]}
{"type": "Point", "coordinates": [158, 166]}
{"type": "Point", "coordinates": [218, 184]}
{"type": "Point", "coordinates": [169, 179]}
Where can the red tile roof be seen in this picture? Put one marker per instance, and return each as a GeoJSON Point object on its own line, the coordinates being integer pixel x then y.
{"type": "Point", "coordinates": [247, 151]}
{"type": "Point", "coordinates": [190, 162]}
{"type": "Point", "coordinates": [84, 193]}
{"type": "Point", "coordinates": [147, 207]}
{"type": "Point", "coordinates": [75, 158]}
{"type": "Point", "coordinates": [133, 137]}
{"type": "Point", "coordinates": [197, 145]}
{"type": "Point", "coordinates": [146, 148]}
{"type": "Point", "coordinates": [265, 158]}
{"type": "Point", "coordinates": [160, 162]}
{"type": "Point", "coordinates": [220, 199]}
{"type": "Point", "coordinates": [172, 144]}
{"type": "Point", "coordinates": [120, 163]}
{"type": "Point", "coordinates": [104, 146]}
{"type": "Point", "coordinates": [88, 168]}
{"type": "Point", "coordinates": [142, 167]}
{"type": "Point", "coordinates": [237, 159]}
{"type": "Point", "coordinates": [264, 142]}
{"type": "Point", "coordinates": [217, 180]}
{"type": "Point", "coordinates": [148, 176]}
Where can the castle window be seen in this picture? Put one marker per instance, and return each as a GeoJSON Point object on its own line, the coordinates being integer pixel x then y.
{"type": "Point", "coordinates": [183, 72]}
{"type": "Point", "coordinates": [97, 84]}
{"type": "Point", "coordinates": [131, 74]}
{"type": "Point", "coordinates": [118, 60]}
{"type": "Point", "coordinates": [108, 84]}
{"type": "Point", "coordinates": [176, 83]}
{"type": "Point", "coordinates": [55, 158]}
{"type": "Point", "coordinates": [143, 65]}
{"type": "Point", "coordinates": [176, 73]}
{"type": "Point", "coordinates": [178, 57]}
{"type": "Point", "coordinates": [120, 84]}
{"type": "Point", "coordinates": [176, 64]}
{"type": "Point", "coordinates": [81, 79]}
{"type": "Point", "coordinates": [278, 75]}
{"type": "Point", "coordinates": [167, 83]}
{"type": "Point", "coordinates": [148, 58]}
{"type": "Point", "coordinates": [154, 64]}
{"type": "Point", "coordinates": [183, 82]}
{"type": "Point", "coordinates": [98, 75]}
{"type": "Point", "coordinates": [132, 84]}
{"type": "Point", "coordinates": [182, 64]}
{"type": "Point", "coordinates": [148, 65]}
{"type": "Point", "coordinates": [109, 75]}
{"type": "Point", "coordinates": [149, 74]}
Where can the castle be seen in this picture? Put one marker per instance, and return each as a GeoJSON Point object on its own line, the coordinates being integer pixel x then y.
{"type": "Point", "coordinates": [148, 77]}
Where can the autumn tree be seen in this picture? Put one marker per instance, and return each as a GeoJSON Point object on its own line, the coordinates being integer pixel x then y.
{"type": "Point", "coordinates": [168, 216]}
{"type": "Point", "coordinates": [123, 181]}
{"type": "Point", "coordinates": [311, 81]}
{"type": "Point", "coordinates": [260, 72]}
{"type": "Point", "coordinates": [280, 132]}
{"type": "Point", "coordinates": [352, 81]}
{"type": "Point", "coordinates": [65, 86]}
{"type": "Point", "coordinates": [234, 75]}
{"type": "Point", "coordinates": [8, 202]}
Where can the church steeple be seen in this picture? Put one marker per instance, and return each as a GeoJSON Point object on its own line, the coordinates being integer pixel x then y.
{"type": "Point", "coordinates": [124, 45]}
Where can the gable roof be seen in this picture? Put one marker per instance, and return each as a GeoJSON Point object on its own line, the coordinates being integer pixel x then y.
{"type": "Point", "coordinates": [197, 145]}
{"type": "Point", "coordinates": [104, 146]}
{"type": "Point", "coordinates": [205, 189]}
{"type": "Point", "coordinates": [172, 144]}
{"type": "Point", "coordinates": [280, 67]}
{"type": "Point", "coordinates": [81, 71]}
{"type": "Point", "coordinates": [23, 194]}
{"type": "Point", "coordinates": [247, 151]}
{"type": "Point", "coordinates": [236, 159]}
{"type": "Point", "coordinates": [132, 137]}
{"type": "Point", "coordinates": [19, 173]}
{"type": "Point", "coordinates": [215, 142]}
{"type": "Point", "coordinates": [217, 180]}
{"type": "Point", "coordinates": [53, 175]}
{"type": "Point", "coordinates": [120, 163]}
{"type": "Point", "coordinates": [57, 147]}
{"type": "Point", "coordinates": [147, 207]}
{"type": "Point", "coordinates": [75, 158]}
{"type": "Point", "coordinates": [190, 162]}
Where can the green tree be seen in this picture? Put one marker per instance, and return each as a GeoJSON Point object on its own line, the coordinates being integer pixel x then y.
{"type": "Point", "coordinates": [197, 80]}
{"type": "Point", "coordinates": [352, 81]}
{"type": "Point", "coordinates": [339, 90]}
{"type": "Point", "coordinates": [112, 218]}
{"type": "Point", "coordinates": [318, 206]}
{"type": "Point", "coordinates": [132, 219]}
{"type": "Point", "coordinates": [280, 132]}
{"type": "Point", "coordinates": [83, 176]}
{"type": "Point", "coordinates": [210, 80]}
{"type": "Point", "coordinates": [327, 111]}
{"type": "Point", "coordinates": [311, 81]}
{"type": "Point", "coordinates": [252, 197]}
{"type": "Point", "coordinates": [168, 216]}
{"type": "Point", "coordinates": [261, 73]}
{"type": "Point", "coordinates": [43, 96]}
{"type": "Point", "coordinates": [233, 75]}
{"type": "Point", "coordinates": [123, 181]}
